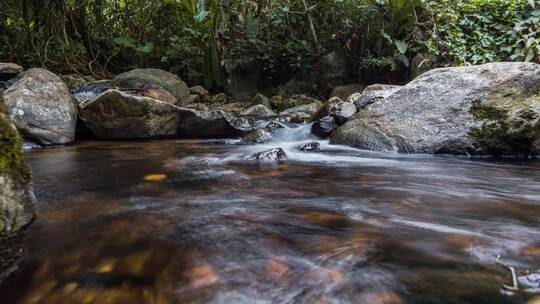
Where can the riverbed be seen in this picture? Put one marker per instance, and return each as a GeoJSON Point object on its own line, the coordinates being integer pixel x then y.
{"type": "Point", "coordinates": [191, 221]}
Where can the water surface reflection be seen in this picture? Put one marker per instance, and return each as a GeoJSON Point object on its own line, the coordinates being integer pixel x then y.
{"type": "Point", "coordinates": [193, 222]}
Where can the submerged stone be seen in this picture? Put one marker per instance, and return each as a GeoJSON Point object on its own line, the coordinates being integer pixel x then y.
{"type": "Point", "coordinates": [270, 155]}
{"type": "Point", "coordinates": [310, 147]}
{"type": "Point", "coordinates": [258, 136]}
{"type": "Point", "coordinates": [324, 127]}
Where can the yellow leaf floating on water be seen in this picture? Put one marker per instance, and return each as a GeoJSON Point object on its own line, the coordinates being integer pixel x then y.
{"type": "Point", "coordinates": [155, 177]}
{"type": "Point", "coordinates": [69, 288]}
{"type": "Point", "coordinates": [106, 267]}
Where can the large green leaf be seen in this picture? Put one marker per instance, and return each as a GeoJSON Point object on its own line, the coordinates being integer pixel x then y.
{"type": "Point", "coordinates": [401, 46]}
{"type": "Point", "coordinates": [530, 55]}
{"type": "Point", "coordinates": [146, 49]}
{"type": "Point", "coordinates": [126, 42]}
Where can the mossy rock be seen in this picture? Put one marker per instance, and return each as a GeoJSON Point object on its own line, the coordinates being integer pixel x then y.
{"type": "Point", "coordinates": [16, 195]}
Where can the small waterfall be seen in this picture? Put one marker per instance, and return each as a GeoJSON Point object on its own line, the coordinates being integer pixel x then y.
{"type": "Point", "coordinates": [289, 134]}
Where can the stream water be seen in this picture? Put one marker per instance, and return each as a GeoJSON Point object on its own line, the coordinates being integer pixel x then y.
{"type": "Point", "coordinates": [198, 222]}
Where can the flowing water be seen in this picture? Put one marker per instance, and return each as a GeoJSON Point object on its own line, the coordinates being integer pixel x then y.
{"type": "Point", "coordinates": [198, 222]}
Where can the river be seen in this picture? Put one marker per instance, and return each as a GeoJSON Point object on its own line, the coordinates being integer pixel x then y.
{"type": "Point", "coordinates": [187, 221]}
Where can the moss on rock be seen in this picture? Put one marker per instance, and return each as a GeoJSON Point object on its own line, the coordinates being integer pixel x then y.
{"type": "Point", "coordinates": [12, 162]}
{"type": "Point", "coordinates": [16, 196]}
{"type": "Point", "coordinates": [507, 118]}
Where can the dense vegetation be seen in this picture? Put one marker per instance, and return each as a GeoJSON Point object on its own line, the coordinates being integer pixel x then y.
{"type": "Point", "coordinates": [200, 39]}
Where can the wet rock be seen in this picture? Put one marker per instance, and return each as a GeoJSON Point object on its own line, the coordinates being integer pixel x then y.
{"type": "Point", "coordinates": [139, 78]}
{"type": "Point", "coordinates": [158, 93]}
{"type": "Point", "coordinates": [117, 114]}
{"type": "Point", "coordinates": [258, 136]}
{"type": "Point", "coordinates": [233, 107]}
{"type": "Point", "coordinates": [310, 147]}
{"type": "Point", "coordinates": [9, 70]}
{"type": "Point", "coordinates": [17, 201]}
{"type": "Point", "coordinates": [197, 106]}
{"type": "Point", "coordinates": [42, 108]}
{"type": "Point", "coordinates": [273, 125]}
{"type": "Point", "coordinates": [343, 92]}
{"type": "Point", "coordinates": [372, 94]}
{"type": "Point", "coordinates": [324, 127]}
{"type": "Point", "coordinates": [491, 109]}
{"type": "Point", "coordinates": [220, 98]}
{"type": "Point", "coordinates": [193, 98]}
{"type": "Point", "coordinates": [212, 124]}
{"type": "Point", "coordinates": [243, 124]}
{"type": "Point", "coordinates": [299, 117]}
{"type": "Point", "coordinates": [337, 108]}
{"type": "Point", "coordinates": [360, 134]}
{"type": "Point", "coordinates": [270, 155]}
{"type": "Point", "coordinates": [198, 90]}
{"type": "Point", "coordinates": [258, 111]}
{"type": "Point", "coordinates": [260, 99]}
{"type": "Point", "coordinates": [309, 109]}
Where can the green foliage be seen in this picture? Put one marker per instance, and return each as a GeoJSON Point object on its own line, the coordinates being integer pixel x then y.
{"type": "Point", "coordinates": [475, 32]}
{"type": "Point", "coordinates": [198, 39]}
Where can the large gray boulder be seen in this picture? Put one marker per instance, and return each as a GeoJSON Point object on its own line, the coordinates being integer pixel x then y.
{"type": "Point", "coordinates": [491, 109]}
{"type": "Point", "coordinates": [116, 114]}
{"type": "Point", "coordinates": [42, 108]}
{"type": "Point", "coordinates": [139, 78]}
{"type": "Point", "coordinates": [16, 195]}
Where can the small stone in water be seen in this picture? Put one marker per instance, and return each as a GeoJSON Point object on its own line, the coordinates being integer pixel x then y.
{"type": "Point", "coordinates": [270, 155]}
{"type": "Point", "coordinates": [258, 136]}
{"type": "Point", "coordinates": [310, 147]}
